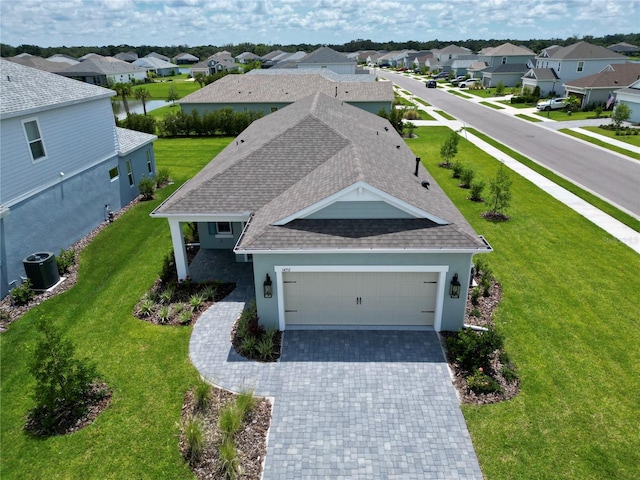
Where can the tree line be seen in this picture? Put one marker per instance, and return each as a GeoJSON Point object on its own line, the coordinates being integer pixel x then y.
{"type": "Point", "coordinates": [260, 49]}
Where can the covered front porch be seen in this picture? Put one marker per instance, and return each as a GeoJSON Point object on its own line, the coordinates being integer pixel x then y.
{"type": "Point", "coordinates": [221, 265]}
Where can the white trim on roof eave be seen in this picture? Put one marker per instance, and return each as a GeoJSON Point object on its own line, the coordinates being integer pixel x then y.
{"type": "Point", "coordinates": [204, 217]}
{"type": "Point", "coordinates": [44, 108]}
{"type": "Point", "coordinates": [390, 199]}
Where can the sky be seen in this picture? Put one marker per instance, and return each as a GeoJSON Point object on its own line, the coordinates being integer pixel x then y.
{"type": "Point", "coordinates": [54, 23]}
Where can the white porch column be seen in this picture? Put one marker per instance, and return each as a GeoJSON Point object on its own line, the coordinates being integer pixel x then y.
{"type": "Point", "coordinates": [179, 249]}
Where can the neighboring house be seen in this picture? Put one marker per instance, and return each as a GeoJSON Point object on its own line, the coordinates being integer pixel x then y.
{"type": "Point", "coordinates": [98, 70]}
{"type": "Point", "coordinates": [544, 78]}
{"type": "Point", "coordinates": [158, 55]}
{"type": "Point", "coordinates": [597, 88]}
{"type": "Point", "coordinates": [157, 66]}
{"type": "Point", "coordinates": [214, 65]}
{"type": "Point", "coordinates": [272, 55]}
{"type": "Point", "coordinates": [624, 48]}
{"type": "Point", "coordinates": [570, 63]}
{"type": "Point", "coordinates": [450, 52]}
{"type": "Point", "coordinates": [331, 75]}
{"type": "Point", "coordinates": [325, 57]}
{"type": "Point", "coordinates": [64, 164]}
{"type": "Point", "coordinates": [267, 93]}
{"type": "Point", "coordinates": [510, 74]}
{"type": "Point", "coordinates": [247, 57]}
{"type": "Point", "coordinates": [185, 59]}
{"type": "Point", "coordinates": [421, 60]}
{"type": "Point", "coordinates": [630, 96]}
{"type": "Point", "coordinates": [462, 64]}
{"type": "Point", "coordinates": [322, 198]}
{"type": "Point", "coordinates": [390, 59]}
{"type": "Point", "coordinates": [39, 63]}
{"type": "Point", "coordinates": [129, 57]}
{"type": "Point", "coordinates": [505, 54]}
{"type": "Point", "coordinates": [59, 57]}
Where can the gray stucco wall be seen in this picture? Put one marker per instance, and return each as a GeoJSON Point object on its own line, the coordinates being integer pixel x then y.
{"type": "Point", "coordinates": [209, 238]}
{"type": "Point", "coordinates": [453, 310]}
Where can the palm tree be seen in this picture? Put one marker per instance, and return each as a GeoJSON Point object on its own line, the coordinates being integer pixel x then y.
{"type": "Point", "coordinates": [123, 89]}
{"type": "Point", "coordinates": [143, 95]}
{"type": "Point", "coordinates": [199, 77]}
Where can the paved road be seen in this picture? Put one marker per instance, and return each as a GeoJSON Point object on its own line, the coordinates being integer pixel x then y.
{"type": "Point", "coordinates": [606, 174]}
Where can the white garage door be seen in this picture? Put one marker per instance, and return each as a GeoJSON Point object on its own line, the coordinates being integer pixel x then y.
{"type": "Point", "coordinates": [360, 298]}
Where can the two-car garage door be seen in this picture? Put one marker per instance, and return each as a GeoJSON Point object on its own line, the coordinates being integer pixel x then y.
{"type": "Point", "coordinates": [360, 298]}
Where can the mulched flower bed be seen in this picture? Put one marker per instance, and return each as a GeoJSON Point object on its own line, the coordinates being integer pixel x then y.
{"type": "Point", "coordinates": [483, 318]}
{"type": "Point", "coordinates": [250, 440]}
{"type": "Point", "coordinates": [258, 332]}
{"type": "Point", "coordinates": [179, 302]}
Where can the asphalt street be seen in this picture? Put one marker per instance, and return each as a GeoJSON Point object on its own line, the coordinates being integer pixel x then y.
{"type": "Point", "coordinates": [610, 176]}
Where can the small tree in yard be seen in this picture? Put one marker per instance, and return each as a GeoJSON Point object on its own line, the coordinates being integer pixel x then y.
{"type": "Point", "coordinates": [63, 382]}
{"type": "Point", "coordinates": [142, 94]}
{"type": "Point", "coordinates": [449, 149]}
{"type": "Point", "coordinates": [394, 117]}
{"type": "Point", "coordinates": [172, 94]}
{"type": "Point", "coordinates": [620, 114]}
{"type": "Point", "coordinates": [500, 189]}
{"type": "Point", "coordinates": [500, 88]}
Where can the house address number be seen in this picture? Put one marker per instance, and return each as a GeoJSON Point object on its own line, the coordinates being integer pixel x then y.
{"type": "Point", "coordinates": [286, 269]}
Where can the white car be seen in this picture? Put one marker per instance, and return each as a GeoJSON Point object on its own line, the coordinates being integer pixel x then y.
{"type": "Point", "coordinates": [552, 104]}
{"type": "Point", "coordinates": [467, 83]}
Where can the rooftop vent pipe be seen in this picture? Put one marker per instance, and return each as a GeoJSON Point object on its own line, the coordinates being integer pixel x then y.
{"type": "Point", "coordinates": [417, 164]}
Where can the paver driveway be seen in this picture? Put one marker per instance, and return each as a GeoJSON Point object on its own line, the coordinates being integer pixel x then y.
{"type": "Point", "coordinates": [347, 404]}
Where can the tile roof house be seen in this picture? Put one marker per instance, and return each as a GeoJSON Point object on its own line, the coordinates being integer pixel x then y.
{"type": "Point", "coordinates": [64, 164]}
{"type": "Point", "coordinates": [99, 70]}
{"type": "Point", "coordinates": [597, 88]}
{"type": "Point", "coordinates": [570, 63]}
{"type": "Point", "coordinates": [267, 93]}
{"type": "Point", "coordinates": [329, 202]}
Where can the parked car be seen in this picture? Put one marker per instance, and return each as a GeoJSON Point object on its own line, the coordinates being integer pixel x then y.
{"type": "Point", "coordinates": [416, 70]}
{"type": "Point", "coordinates": [403, 69]}
{"type": "Point", "coordinates": [441, 75]}
{"type": "Point", "coordinates": [553, 104]}
{"type": "Point", "coordinates": [458, 79]}
{"type": "Point", "coordinates": [467, 83]}
{"type": "Point", "coordinates": [431, 84]}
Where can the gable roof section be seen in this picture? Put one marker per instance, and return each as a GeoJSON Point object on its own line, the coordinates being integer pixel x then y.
{"type": "Point", "coordinates": [131, 140]}
{"type": "Point", "coordinates": [289, 89]}
{"type": "Point", "coordinates": [507, 68]}
{"type": "Point", "coordinates": [583, 51]}
{"type": "Point", "coordinates": [153, 62]}
{"type": "Point", "coordinates": [303, 154]}
{"type": "Point", "coordinates": [623, 47]}
{"type": "Point", "coordinates": [542, 74]}
{"type": "Point", "coordinates": [508, 49]}
{"type": "Point", "coordinates": [326, 55]}
{"type": "Point", "coordinates": [28, 90]}
{"type": "Point", "coordinates": [98, 65]}
{"type": "Point", "coordinates": [613, 76]}
{"type": "Point", "coordinates": [39, 63]}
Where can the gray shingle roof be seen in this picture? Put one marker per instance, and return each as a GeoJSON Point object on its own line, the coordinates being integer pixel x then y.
{"type": "Point", "coordinates": [507, 68]}
{"type": "Point", "coordinates": [98, 65]}
{"type": "Point", "coordinates": [305, 153]}
{"type": "Point", "coordinates": [27, 90]}
{"type": "Point", "coordinates": [542, 74]}
{"type": "Point", "coordinates": [325, 72]}
{"type": "Point", "coordinates": [614, 76]}
{"type": "Point", "coordinates": [508, 49]}
{"type": "Point", "coordinates": [583, 51]}
{"type": "Point", "coordinates": [289, 88]}
{"type": "Point", "coordinates": [130, 140]}
{"type": "Point", "coordinates": [326, 55]}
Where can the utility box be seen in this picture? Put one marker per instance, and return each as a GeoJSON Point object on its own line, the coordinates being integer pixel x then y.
{"type": "Point", "coordinates": [42, 269]}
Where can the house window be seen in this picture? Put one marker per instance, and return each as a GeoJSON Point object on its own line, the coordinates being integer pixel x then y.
{"type": "Point", "coordinates": [149, 166]}
{"type": "Point", "coordinates": [580, 66]}
{"type": "Point", "coordinates": [559, 65]}
{"type": "Point", "coordinates": [34, 139]}
{"type": "Point", "coordinates": [130, 173]}
{"type": "Point", "coordinates": [114, 173]}
{"type": "Point", "coordinates": [504, 60]}
{"type": "Point", "coordinates": [222, 229]}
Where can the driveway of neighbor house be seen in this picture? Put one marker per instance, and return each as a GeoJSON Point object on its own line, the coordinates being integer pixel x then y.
{"type": "Point", "coordinates": [346, 404]}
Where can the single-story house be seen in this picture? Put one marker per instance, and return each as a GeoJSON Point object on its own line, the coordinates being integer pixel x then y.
{"type": "Point", "coordinates": [268, 93]}
{"type": "Point", "coordinates": [158, 55]}
{"type": "Point", "coordinates": [128, 57]}
{"type": "Point", "coordinates": [247, 57]}
{"type": "Point", "coordinates": [98, 70]}
{"type": "Point", "coordinates": [510, 74]}
{"type": "Point", "coordinates": [624, 48]}
{"type": "Point", "coordinates": [630, 96]}
{"type": "Point", "coordinates": [185, 59]}
{"type": "Point", "coordinates": [157, 66]}
{"type": "Point", "coordinates": [598, 88]}
{"type": "Point", "coordinates": [343, 225]}
{"type": "Point", "coordinates": [40, 63]}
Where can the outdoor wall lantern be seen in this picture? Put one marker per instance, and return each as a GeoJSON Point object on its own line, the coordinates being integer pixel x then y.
{"type": "Point", "coordinates": [455, 287]}
{"type": "Point", "coordinates": [268, 290]}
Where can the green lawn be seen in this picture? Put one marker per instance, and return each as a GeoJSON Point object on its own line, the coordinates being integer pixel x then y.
{"type": "Point", "coordinates": [458, 93]}
{"type": "Point", "coordinates": [445, 114]}
{"type": "Point", "coordinates": [528, 118]}
{"type": "Point", "coordinates": [630, 139]}
{"type": "Point", "coordinates": [419, 100]}
{"type": "Point", "coordinates": [159, 89]}
{"type": "Point", "coordinates": [564, 116]}
{"type": "Point", "coordinates": [485, 93]}
{"type": "Point", "coordinates": [572, 331]}
{"type": "Point", "coordinates": [492, 105]}
{"type": "Point", "coordinates": [146, 366]}
{"type": "Point", "coordinates": [518, 105]}
{"type": "Point", "coordinates": [600, 143]}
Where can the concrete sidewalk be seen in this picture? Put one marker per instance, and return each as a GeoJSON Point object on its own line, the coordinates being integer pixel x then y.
{"type": "Point", "coordinates": [617, 229]}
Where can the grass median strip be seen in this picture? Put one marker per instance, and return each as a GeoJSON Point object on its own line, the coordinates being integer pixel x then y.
{"type": "Point", "coordinates": [600, 143]}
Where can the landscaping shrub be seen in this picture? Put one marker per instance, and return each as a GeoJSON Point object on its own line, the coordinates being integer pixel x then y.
{"type": "Point", "coordinates": [472, 350]}
{"type": "Point", "coordinates": [411, 114]}
{"type": "Point", "coordinates": [194, 436]}
{"type": "Point", "coordinates": [63, 382]}
{"type": "Point", "coordinates": [162, 177]}
{"type": "Point", "coordinates": [229, 461]}
{"type": "Point", "coordinates": [457, 169]}
{"type": "Point", "coordinates": [195, 301]}
{"type": "Point", "coordinates": [476, 191]}
{"type": "Point", "coordinates": [245, 402]}
{"type": "Point", "coordinates": [23, 293]}
{"type": "Point", "coordinates": [479, 382]}
{"type": "Point", "coordinates": [475, 295]}
{"type": "Point", "coordinates": [65, 260]}
{"type": "Point", "coordinates": [138, 122]}
{"type": "Point", "coordinates": [146, 187]}
{"type": "Point", "coordinates": [202, 394]}
{"type": "Point", "coordinates": [224, 121]}
{"type": "Point", "coordinates": [230, 420]}
{"type": "Point", "coordinates": [466, 177]}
